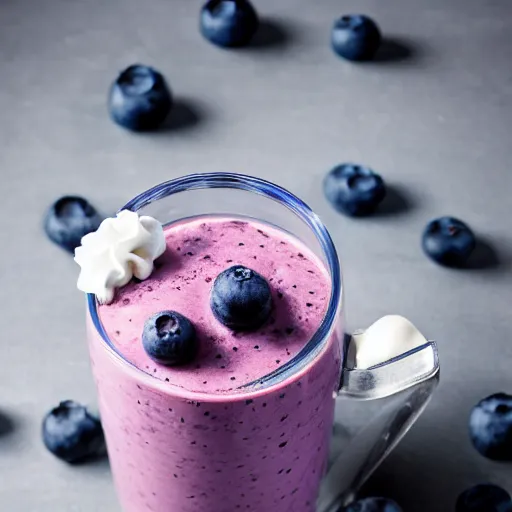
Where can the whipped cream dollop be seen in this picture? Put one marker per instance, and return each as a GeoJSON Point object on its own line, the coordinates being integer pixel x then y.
{"type": "Point", "coordinates": [122, 247]}
{"type": "Point", "coordinates": [389, 337]}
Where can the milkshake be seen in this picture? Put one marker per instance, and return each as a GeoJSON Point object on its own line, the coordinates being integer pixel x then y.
{"type": "Point", "coordinates": [216, 342]}
{"type": "Point", "coordinates": [204, 436]}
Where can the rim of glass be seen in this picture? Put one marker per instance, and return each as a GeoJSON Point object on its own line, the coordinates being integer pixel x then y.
{"type": "Point", "coordinates": [298, 207]}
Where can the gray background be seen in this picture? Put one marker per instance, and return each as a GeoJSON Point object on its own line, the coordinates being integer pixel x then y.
{"type": "Point", "coordinates": [433, 117]}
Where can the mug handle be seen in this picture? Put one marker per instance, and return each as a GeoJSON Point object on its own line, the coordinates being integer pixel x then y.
{"type": "Point", "coordinates": [375, 407]}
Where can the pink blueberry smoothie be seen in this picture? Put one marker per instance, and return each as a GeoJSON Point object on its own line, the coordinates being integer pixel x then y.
{"type": "Point", "coordinates": [195, 437]}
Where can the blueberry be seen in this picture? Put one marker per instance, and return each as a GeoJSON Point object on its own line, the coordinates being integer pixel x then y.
{"type": "Point", "coordinates": [139, 99]}
{"type": "Point", "coordinates": [71, 433]}
{"type": "Point", "coordinates": [373, 505]}
{"type": "Point", "coordinates": [355, 37]}
{"type": "Point", "coordinates": [354, 190]}
{"type": "Point", "coordinates": [241, 298]}
{"type": "Point", "coordinates": [169, 338]}
{"type": "Point", "coordinates": [69, 219]}
{"type": "Point", "coordinates": [490, 427]}
{"type": "Point", "coordinates": [448, 241]}
{"type": "Point", "coordinates": [228, 23]}
{"type": "Point", "coordinates": [484, 498]}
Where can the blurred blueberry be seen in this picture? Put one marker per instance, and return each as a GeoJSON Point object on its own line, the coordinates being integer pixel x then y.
{"type": "Point", "coordinates": [354, 190]}
{"type": "Point", "coordinates": [373, 505]}
{"type": "Point", "coordinates": [139, 99]}
{"type": "Point", "coordinates": [355, 37]}
{"type": "Point", "coordinates": [484, 498]}
{"type": "Point", "coordinates": [490, 427]}
{"type": "Point", "coordinates": [228, 23]}
{"type": "Point", "coordinates": [448, 241]}
{"type": "Point", "coordinates": [71, 433]}
{"type": "Point", "coordinates": [69, 219]}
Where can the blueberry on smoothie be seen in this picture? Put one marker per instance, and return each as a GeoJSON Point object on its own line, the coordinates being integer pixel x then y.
{"type": "Point", "coordinates": [169, 338]}
{"type": "Point", "coordinates": [139, 99]}
{"type": "Point", "coordinates": [490, 427]}
{"type": "Point", "coordinates": [228, 23]}
{"type": "Point", "coordinates": [373, 505]}
{"type": "Point", "coordinates": [354, 190]}
{"type": "Point", "coordinates": [355, 37]}
{"type": "Point", "coordinates": [241, 298]}
{"type": "Point", "coordinates": [71, 433]}
{"type": "Point", "coordinates": [484, 498]}
{"type": "Point", "coordinates": [448, 241]}
{"type": "Point", "coordinates": [69, 219]}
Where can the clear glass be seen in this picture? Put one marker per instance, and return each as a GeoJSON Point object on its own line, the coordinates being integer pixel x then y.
{"type": "Point", "coordinates": [166, 457]}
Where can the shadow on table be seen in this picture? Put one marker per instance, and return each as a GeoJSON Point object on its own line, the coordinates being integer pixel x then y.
{"type": "Point", "coordinates": [185, 114]}
{"type": "Point", "coordinates": [412, 480]}
{"type": "Point", "coordinates": [398, 200]}
{"type": "Point", "coordinates": [98, 466]}
{"type": "Point", "coordinates": [99, 462]}
{"type": "Point", "coordinates": [7, 424]}
{"type": "Point", "coordinates": [485, 256]}
{"type": "Point", "coordinates": [397, 49]}
{"type": "Point", "coordinates": [272, 34]}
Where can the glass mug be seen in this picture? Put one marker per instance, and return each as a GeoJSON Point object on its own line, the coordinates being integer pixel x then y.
{"type": "Point", "coordinates": [344, 419]}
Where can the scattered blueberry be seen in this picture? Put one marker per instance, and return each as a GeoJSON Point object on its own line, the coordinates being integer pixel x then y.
{"type": "Point", "coordinates": [241, 298]}
{"type": "Point", "coordinates": [373, 505]}
{"type": "Point", "coordinates": [355, 37]}
{"type": "Point", "coordinates": [484, 498]}
{"type": "Point", "coordinates": [169, 338]}
{"type": "Point", "coordinates": [71, 433]}
{"type": "Point", "coordinates": [69, 219]}
{"type": "Point", "coordinates": [490, 427]}
{"type": "Point", "coordinates": [448, 241]}
{"type": "Point", "coordinates": [139, 99]}
{"type": "Point", "coordinates": [228, 23]}
{"type": "Point", "coordinates": [354, 190]}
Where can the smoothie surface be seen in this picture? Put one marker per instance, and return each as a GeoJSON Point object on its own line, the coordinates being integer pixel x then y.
{"type": "Point", "coordinates": [198, 249]}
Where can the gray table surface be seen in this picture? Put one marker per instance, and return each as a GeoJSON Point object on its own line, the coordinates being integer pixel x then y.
{"type": "Point", "coordinates": [433, 115]}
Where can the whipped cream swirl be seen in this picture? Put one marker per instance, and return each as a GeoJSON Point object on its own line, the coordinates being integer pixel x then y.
{"type": "Point", "coordinates": [121, 248]}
